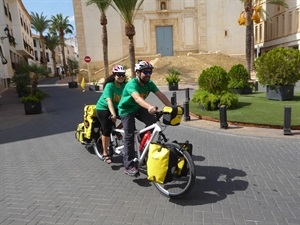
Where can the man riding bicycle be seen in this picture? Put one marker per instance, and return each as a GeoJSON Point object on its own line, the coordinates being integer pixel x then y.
{"type": "Point", "coordinates": [133, 105]}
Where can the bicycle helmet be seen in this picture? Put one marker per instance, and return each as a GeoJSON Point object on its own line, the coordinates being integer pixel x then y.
{"type": "Point", "coordinates": [143, 65]}
{"type": "Point", "coordinates": [118, 69]}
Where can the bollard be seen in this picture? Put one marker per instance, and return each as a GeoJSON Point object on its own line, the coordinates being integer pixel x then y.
{"type": "Point", "coordinates": [287, 120]}
{"type": "Point", "coordinates": [173, 99]}
{"type": "Point", "coordinates": [186, 106]}
{"type": "Point", "coordinates": [187, 94]}
{"type": "Point", "coordinates": [223, 117]}
{"type": "Point", "coordinates": [256, 86]}
{"type": "Point", "coordinates": [186, 111]}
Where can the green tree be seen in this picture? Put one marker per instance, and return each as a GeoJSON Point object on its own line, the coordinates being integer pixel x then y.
{"type": "Point", "coordinates": [103, 6]}
{"type": "Point", "coordinates": [52, 41]}
{"type": "Point", "coordinates": [128, 9]}
{"type": "Point", "coordinates": [40, 24]}
{"type": "Point", "coordinates": [73, 66]}
{"type": "Point", "coordinates": [61, 25]}
{"type": "Point", "coordinates": [252, 10]}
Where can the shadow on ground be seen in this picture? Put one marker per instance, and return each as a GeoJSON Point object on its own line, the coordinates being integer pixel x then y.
{"type": "Point", "coordinates": [214, 184]}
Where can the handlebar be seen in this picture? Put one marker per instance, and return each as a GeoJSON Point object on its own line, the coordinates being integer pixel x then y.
{"type": "Point", "coordinates": [157, 115]}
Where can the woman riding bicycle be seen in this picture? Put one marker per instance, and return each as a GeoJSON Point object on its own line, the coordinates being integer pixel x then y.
{"type": "Point", "coordinates": [133, 105]}
{"type": "Point", "coordinates": [107, 106]}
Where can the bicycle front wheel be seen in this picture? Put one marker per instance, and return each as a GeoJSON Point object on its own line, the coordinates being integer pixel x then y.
{"type": "Point", "coordinates": [180, 185]}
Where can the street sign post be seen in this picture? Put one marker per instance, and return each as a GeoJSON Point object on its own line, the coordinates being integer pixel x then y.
{"type": "Point", "coordinates": [88, 59]}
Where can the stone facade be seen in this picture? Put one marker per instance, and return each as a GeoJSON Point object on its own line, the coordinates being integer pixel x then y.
{"type": "Point", "coordinates": [197, 26]}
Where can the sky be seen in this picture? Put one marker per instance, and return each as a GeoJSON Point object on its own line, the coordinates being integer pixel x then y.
{"type": "Point", "coordinates": [50, 8]}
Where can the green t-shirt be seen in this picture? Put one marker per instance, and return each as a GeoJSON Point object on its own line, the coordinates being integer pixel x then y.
{"type": "Point", "coordinates": [127, 104]}
{"type": "Point", "coordinates": [110, 91]}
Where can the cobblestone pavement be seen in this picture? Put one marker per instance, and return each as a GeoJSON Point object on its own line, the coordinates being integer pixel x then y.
{"type": "Point", "coordinates": [47, 177]}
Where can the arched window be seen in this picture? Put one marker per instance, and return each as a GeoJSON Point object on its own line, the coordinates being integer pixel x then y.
{"type": "Point", "coordinates": [163, 5]}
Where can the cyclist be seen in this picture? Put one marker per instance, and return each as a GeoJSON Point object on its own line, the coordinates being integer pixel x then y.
{"type": "Point", "coordinates": [107, 106]}
{"type": "Point", "coordinates": [133, 105]}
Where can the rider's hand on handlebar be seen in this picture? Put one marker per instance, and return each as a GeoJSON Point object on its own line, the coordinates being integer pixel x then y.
{"type": "Point", "coordinates": [113, 118]}
{"type": "Point", "coordinates": [152, 109]}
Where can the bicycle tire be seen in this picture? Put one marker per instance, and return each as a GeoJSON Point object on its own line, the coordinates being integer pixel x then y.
{"type": "Point", "coordinates": [97, 146]}
{"type": "Point", "coordinates": [180, 186]}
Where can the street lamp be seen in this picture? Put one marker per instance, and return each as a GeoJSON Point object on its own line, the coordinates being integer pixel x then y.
{"type": "Point", "coordinates": [6, 31]}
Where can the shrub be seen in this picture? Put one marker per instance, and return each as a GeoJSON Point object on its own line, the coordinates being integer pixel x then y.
{"type": "Point", "coordinates": [39, 96]}
{"type": "Point", "coordinates": [214, 80]}
{"type": "Point", "coordinates": [213, 89]}
{"type": "Point", "coordinates": [238, 77]}
{"type": "Point", "coordinates": [277, 67]}
{"type": "Point", "coordinates": [211, 101]}
{"type": "Point", "coordinates": [229, 99]}
{"type": "Point", "coordinates": [22, 82]}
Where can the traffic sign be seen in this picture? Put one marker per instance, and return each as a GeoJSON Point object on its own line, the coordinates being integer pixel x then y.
{"type": "Point", "coordinates": [87, 59]}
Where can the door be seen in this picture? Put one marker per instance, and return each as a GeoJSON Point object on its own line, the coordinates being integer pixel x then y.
{"type": "Point", "coordinates": [164, 40]}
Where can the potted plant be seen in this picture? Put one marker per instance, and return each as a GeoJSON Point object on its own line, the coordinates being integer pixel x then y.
{"type": "Point", "coordinates": [34, 98]}
{"type": "Point", "coordinates": [279, 71]}
{"type": "Point", "coordinates": [33, 102]}
{"type": "Point", "coordinates": [173, 79]}
{"type": "Point", "coordinates": [238, 80]}
{"type": "Point", "coordinates": [73, 68]}
{"type": "Point", "coordinates": [95, 86]}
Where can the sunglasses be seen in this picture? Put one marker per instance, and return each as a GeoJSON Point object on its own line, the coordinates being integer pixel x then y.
{"type": "Point", "coordinates": [120, 74]}
{"type": "Point", "coordinates": [147, 72]}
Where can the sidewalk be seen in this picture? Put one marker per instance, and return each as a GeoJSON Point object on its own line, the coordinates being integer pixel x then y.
{"type": "Point", "coordinates": [12, 115]}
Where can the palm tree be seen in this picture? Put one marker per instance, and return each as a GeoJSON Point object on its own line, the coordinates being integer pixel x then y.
{"type": "Point", "coordinates": [128, 10]}
{"type": "Point", "coordinates": [61, 25]}
{"type": "Point", "coordinates": [34, 71]}
{"type": "Point", "coordinates": [250, 9]}
{"type": "Point", "coordinates": [103, 6]}
{"type": "Point", "coordinates": [52, 41]}
{"type": "Point", "coordinates": [40, 23]}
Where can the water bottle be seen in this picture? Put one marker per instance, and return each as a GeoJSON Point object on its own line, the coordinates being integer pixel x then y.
{"type": "Point", "coordinates": [145, 140]}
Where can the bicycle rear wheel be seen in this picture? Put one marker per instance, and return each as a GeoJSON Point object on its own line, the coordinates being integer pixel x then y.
{"type": "Point", "coordinates": [97, 146]}
{"type": "Point", "coordinates": [180, 185]}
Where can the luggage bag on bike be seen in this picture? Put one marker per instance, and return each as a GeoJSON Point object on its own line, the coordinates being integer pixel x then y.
{"type": "Point", "coordinates": [172, 115]}
{"type": "Point", "coordinates": [161, 163]}
{"type": "Point", "coordinates": [91, 122]}
{"type": "Point", "coordinates": [80, 133]}
{"type": "Point", "coordinates": [182, 168]}
{"type": "Point", "coordinates": [90, 128]}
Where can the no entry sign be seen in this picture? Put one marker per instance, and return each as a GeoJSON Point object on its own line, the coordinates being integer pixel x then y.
{"type": "Point", "coordinates": [87, 59]}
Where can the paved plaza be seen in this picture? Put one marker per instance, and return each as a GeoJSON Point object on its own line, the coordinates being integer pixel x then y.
{"type": "Point", "coordinates": [245, 175]}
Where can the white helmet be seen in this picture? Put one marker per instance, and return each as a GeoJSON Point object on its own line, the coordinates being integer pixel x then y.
{"type": "Point", "coordinates": [118, 69]}
{"type": "Point", "coordinates": [143, 65]}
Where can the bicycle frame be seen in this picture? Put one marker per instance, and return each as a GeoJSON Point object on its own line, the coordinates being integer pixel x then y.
{"type": "Point", "coordinates": [156, 129]}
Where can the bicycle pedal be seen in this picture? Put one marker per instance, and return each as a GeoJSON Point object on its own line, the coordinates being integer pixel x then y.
{"type": "Point", "coordinates": [137, 174]}
{"type": "Point", "coordinates": [118, 152]}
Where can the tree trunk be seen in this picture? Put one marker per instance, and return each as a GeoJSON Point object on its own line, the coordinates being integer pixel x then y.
{"type": "Point", "coordinates": [62, 44]}
{"type": "Point", "coordinates": [132, 56]}
{"type": "Point", "coordinates": [103, 22]}
{"type": "Point", "coordinates": [54, 63]}
{"type": "Point", "coordinates": [43, 56]}
{"type": "Point", "coordinates": [34, 83]}
{"type": "Point", "coordinates": [249, 36]}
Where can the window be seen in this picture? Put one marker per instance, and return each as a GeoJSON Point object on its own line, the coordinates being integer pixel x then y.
{"type": "Point", "coordinates": [47, 57]}
{"type": "Point", "coordinates": [163, 6]}
{"type": "Point", "coordinates": [34, 43]}
{"type": "Point", "coordinates": [36, 57]}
